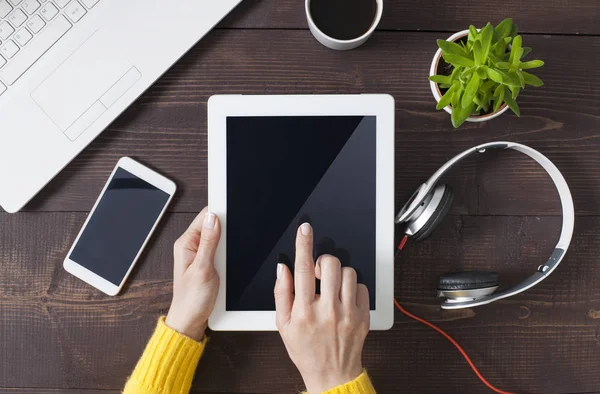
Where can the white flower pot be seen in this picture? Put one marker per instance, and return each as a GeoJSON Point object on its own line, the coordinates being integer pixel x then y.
{"type": "Point", "coordinates": [435, 89]}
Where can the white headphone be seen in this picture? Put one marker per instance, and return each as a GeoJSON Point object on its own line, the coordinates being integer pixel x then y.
{"type": "Point", "coordinates": [431, 202]}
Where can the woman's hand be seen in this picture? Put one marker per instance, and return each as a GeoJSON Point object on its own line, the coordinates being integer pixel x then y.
{"type": "Point", "coordinates": [324, 334]}
{"type": "Point", "coordinates": [196, 282]}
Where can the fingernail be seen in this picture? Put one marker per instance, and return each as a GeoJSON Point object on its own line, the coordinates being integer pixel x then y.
{"type": "Point", "coordinates": [305, 229]}
{"type": "Point", "coordinates": [209, 220]}
{"type": "Point", "coordinates": [279, 270]}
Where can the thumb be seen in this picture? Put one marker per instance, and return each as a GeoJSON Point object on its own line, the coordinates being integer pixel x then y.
{"type": "Point", "coordinates": [209, 239]}
{"type": "Point", "coordinates": [284, 295]}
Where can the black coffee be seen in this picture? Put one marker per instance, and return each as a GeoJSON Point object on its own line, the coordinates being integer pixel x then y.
{"type": "Point", "coordinates": [343, 19]}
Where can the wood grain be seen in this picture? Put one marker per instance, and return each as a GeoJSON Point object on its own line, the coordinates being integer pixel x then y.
{"type": "Point", "coordinates": [166, 127]}
{"type": "Point", "coordinates": [537, 16]}
{"type": "Point", "coordinates": [70, 336]}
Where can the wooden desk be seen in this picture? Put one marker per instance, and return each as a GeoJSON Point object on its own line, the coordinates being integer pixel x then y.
{"type": "Point", "coordinates": [58, 335]}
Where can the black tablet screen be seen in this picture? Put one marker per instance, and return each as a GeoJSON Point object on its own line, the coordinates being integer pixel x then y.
{"type": "Point", "coordinates": [284, 171]}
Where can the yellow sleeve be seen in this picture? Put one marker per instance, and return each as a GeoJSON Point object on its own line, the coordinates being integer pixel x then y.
{"type": "Point", "coordinates": [167, 365]}
{"type": "Point", "coordinates": [360, 385]}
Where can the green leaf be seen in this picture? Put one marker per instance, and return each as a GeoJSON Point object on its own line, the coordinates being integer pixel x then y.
{"type": "Point", "coordinates": [452, 47]}
{"type": "Point", "coordinates": [488, 103]}
{"type": "Point", "coordinates": [494, 75]}
{"type": "Point", "coordinates": [511, 102]}
{"type": "Point", "coordinates": [503, 65]}
{"type": "Point", "coordinates": [484, 100]}
{"type": "Point", "coordinates": [514, 30]}
{"type": "Point", "coordinates": [515, 53]}
{"type": "Point", "coordinates": [499, 48]}
{"type": "Point", "coordinates": [456, 72]}
{"type": "Point", "coordinates": [486, 41]}
{"type": "Point", "coordinates": [446, 98]}
{"type": "Point", "coordinates": [457, 60]}
{"type": "Point", "coordinates": [473, 33]}
{"type": "Point", "coordinates": [531, 64]}
{"type": "Point", "coordinates": [508, 80]}
{"type": "Point", "coordinates": [515, 91]}
{"type": "Point", "coordinates": [488, 85]}
{"type": "Point", "coordinates": [458, 92]}
{"type": "Point", "coordinates": [503, 29]}
{"type": "Point", "coordinates": [520, 77]}
{"type": "Point", "coordinates": [478, 53]}
{"type": "Point", "coordinates": [531, 79]}
{"type": "Point", "coordinates": [470, 91]}
{"type": "Point", "coordinates": [515, 66]}
{"type": "Point", "coordinates": [460, 115]}
{"type": "Point", "coordinates": [464, 76]}
{"type": "Point", "coordinates": [492, 58]}
{"type": "Point", "coordinates": [499, 99]}
{"type": "Point", "coordinates": [481, 71]}
{"type": "Point", "coordinates": [444, 79]}
{"type": "Point", "coordinates": [526, 51]}
{"type": "Point", "coordinates": [498, 90]}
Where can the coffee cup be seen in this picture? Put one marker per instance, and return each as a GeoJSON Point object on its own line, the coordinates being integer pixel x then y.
{"type": "Point", "coordinates": [337, 25]}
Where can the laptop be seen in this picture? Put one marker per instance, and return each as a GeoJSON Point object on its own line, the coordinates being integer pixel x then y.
{"type": "Point", "coordinates": [68, 68]}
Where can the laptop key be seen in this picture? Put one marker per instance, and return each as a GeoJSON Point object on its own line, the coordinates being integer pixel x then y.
{"type": "Point", "coordinates": [9, 49]}
{"type": "Point", "coordinates": [34, 50]}
{"type": "Point", "coordinates": [23, 36]}
{"type": "Point", "coordinates": [17, 18]}
{"type": "Point", "coordinates": [89, 3]}
{"type": "Point", "coordinates": [2, 88]}
{"type": "Point", "coordinates": [62, 3]}
{"type": "Point", "coordinates": [75, 11]}
{"type": "Point", "coordinates": [30, 6]}
{"type": "Point", "coordinates": [35, 24]}
{"type": "Point", "coordinates": [49, 11]}
{"type": "Point", "coordinates": [6, 30]}
{"type": "Point", "coordinates": [5, 8]}
{"type": "Point", "coordinates": [15, 2]}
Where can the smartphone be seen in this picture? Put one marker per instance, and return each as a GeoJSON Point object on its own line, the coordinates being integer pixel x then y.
{"type": "Point", "coordinates": [119, 226]}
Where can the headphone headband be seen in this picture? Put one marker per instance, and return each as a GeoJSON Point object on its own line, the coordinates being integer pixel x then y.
{"type": "Point", "coordinates": [568, 221]}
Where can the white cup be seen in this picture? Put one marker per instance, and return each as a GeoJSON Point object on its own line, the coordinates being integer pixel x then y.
{"type": "Point", "coordinates": [342, 45]}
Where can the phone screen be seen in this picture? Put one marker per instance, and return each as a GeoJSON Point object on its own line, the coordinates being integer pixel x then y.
{"type": "Point", "coordinates": [119, 225]}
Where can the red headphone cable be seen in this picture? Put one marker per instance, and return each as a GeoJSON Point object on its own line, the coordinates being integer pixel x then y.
{"type": "Point", "coordinates": [445, 335]}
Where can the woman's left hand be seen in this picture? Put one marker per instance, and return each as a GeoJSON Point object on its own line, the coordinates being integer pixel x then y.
{"type": "Point", "coordinates": [195, 282]}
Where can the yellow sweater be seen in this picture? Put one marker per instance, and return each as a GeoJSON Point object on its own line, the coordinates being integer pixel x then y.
{"type": "Point", "coordinates": [169, 363]}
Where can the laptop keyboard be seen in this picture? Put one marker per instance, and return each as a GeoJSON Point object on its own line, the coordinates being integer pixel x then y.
{"type": "Point", "coordinates": [29, 28]}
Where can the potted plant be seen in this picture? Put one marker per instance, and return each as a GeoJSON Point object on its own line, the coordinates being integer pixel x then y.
{"type": "Point", "coordinates": [477, 74]}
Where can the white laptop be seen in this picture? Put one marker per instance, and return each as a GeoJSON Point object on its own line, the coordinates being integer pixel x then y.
{"type": "Point", "coordinates": [68, 68]}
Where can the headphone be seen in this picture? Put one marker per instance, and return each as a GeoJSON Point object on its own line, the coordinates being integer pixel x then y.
{"type": "Point", "coordinates": [428, 206]}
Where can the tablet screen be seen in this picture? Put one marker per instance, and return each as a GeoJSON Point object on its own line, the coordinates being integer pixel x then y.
{"type": "Point", "coordinates": [284, 171]}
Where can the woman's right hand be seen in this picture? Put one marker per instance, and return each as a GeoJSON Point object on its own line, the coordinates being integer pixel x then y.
{"type": "Point", "coordinates": [324, 334]}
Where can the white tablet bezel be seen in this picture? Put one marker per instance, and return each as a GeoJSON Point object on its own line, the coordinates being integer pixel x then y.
{"type": "Point", "coordinates": [145, 174]}
{"type": "Point", "coordinates": [382, 106]}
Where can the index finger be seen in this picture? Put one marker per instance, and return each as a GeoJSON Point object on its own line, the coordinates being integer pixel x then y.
{"type": "Point", "coordinates": [304, 267]}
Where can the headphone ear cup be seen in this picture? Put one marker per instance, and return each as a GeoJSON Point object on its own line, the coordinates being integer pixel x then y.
{"type": "Point", "coordinates": [468, 280]}
{"type": "Point", "coordinates": [437, 217]}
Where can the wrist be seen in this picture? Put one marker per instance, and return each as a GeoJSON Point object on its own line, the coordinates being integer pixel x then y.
{"type": "Point", "coordinates": [189, 329]}
{"type": "Point", "coordinates": [327, 380]}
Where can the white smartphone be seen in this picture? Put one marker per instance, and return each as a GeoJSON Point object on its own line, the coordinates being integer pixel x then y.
{"type": "Point", "coordinates": [119, 226]}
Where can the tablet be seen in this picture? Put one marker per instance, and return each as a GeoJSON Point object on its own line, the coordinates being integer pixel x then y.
{"type": "Point", "coordinates": [275, 162]}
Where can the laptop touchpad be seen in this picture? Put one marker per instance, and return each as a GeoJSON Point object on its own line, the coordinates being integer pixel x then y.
{"type": "Point", "coordinates": [85, 85]}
